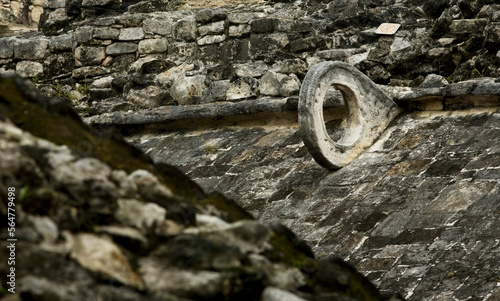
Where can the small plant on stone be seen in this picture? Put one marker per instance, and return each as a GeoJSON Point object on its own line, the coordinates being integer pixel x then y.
{"type": "Point", "coordinates": [83, 88]}
{"type": "Point", "coordinates": [209, 148]}
{"type": "Point", "coordinates": [58, 88]}
{"type": "Point", "coordinates": [35, 79]}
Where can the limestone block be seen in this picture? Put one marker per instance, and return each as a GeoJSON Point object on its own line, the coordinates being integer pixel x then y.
{"type": "Point", "coordinates": [29, 69]}
{"type": "Point", "coordinates": [287, 66]}
{"type": "Point", "coordinates": [188, 89]}
{"type": "Point", "coordinates": [185, 30]}
{"type": "Point", "coordinates": [270, 83]}
{"type": "Point", "coordinates": [212, 28]}
{"type": "Point", "coordinates": [251, 69]}
{"type": "Point", "coordinates": [87, 72]}
{"type": "Point", "coordinates": [102, 83]}
{"type": "Point", "coordinates": [131, 34]}
{"type": "Point", "coordinates": [105, 33]}
{"type": "Point", "coordinates": [290, 85]}
{"type": "Point", "coordinates": [493, 34]}
{"type": "Point", "coordinates": [242, 88]}
{"type": "Point", "coordinates": [162, 27]}
{"type": "Point", "coordinates": [266, 25]}
{"type": "Point", "coordinates": [61, 43]}
{"type": "Point", "coordinates": [467, 25]}
{"type": "Point", "coordinates": [434, 81]}
{"type": "Point", "coordinates": [85, 56]}
{"type": "Point", "coordinates": [4, 13]}
{"type": "Point", "coordinates": [56, 17]}
{"type": "Point", "coordinates": [35, 13]}
{"type": "Point", "coordinates": [400, 44]}
{"type": "Point", "coordinates": [241, 18]}
{"type": "Point", "coordinates": [239, 30]}
{"type": "Point", "coordinates": [57, 64]}
{"type": "Point", "coordinates": [102, 256]}
{"type": "Point", "coordinates": [83, 34]}
{"type": "Point", "coordinates": [150, 97]}
{"type": "Point", "coordinates": [6, 47]}
{"type": "Point", "coordinates": [213, 39]}
{"type": "Point", "coordinates": [33, 49]}
{"type": "Point", "coordinates": [100, 2]}
{"type": "Point", "coordinates": [152, 46]}
{"type": "Point", "coordinates": [121, 48]}
{"type": "Point", "coordinates": [276, 294]}
{"type": "Point", "coordinates": [217, 91]}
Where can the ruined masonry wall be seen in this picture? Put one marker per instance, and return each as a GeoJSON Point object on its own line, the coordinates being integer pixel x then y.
{"type": "Point", "coordinates": [140, 61]}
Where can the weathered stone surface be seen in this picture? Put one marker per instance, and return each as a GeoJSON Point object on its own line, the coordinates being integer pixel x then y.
{"type": "Point", "coordinates": [188, 89]}
{"type": "Point", "coordinates": [152, 46]}
{"type": "Point", "coordinates": [242, 88]}
{"type": "Point", "coordinates": [212, 28]}
{"type": "Point", "coordinates": [29, 69]}
{"type": "Point", "coordinates": [370, 111]}
{"type": "Point", "coordinates": [30, 49]}
{"type": "Point", "coordinates": [85, 72]}
{"type": "Point", "coordinates": [86, 56]}
{"type": "Point", "coordinates": [163, 27]}
{"type": "Point", "coordinates": [121, 48]}
{"type": "Point", "coordinates": [100, 2]}
{"type": "Point", "coordinates": [6, 47]}
{"type": "Point", "coordinates": [103, 256]}
{"type": "Point", "coordinates": [131, 34]}
{"type": "Point", "coordinates": [105, 33]}
{"type": "Point", "coordinates": [185, 30]}
{"type": "Point", "coordinates": [211, 39]}
{"type": "Point", "coordinates": [239, 31]}
{"type": "Point", "coordinates": [61, 43]}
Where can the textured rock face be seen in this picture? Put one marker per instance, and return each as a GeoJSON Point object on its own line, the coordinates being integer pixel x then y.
{"type": "Point", "coordinates": [97, 219]}
{"type": "Point", "coordinates": [418, 210]}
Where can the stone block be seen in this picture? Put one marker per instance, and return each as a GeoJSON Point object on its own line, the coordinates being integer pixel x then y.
{"type": "Point", "coordinates": [87, 72]}
{"type": "Point", "coordinates": [183, 50]}
{"type": "Point", "coordinates": [6, 47]}
{"type": "Point", "coordinates": [307, 44]}
{"type": "Point", "coordinates": [217, 91]}
{"type": "Point", "coordinates": [493, 34]}
{"type": "Point", "coordinates": [239, 30]}
{"type": "Point", "coordinates": [212, 28]}
{"type": "Point", "coordinates": [212, 39]}
{"type": "Point", "coordinates": [188, 89]}
{"type": "Point", "coordinates": [131, 34]}
{"type": "Point", "coordinates": [270, 83]}
{"type": "Point", "coordinates": [100, 2]}
{"type": "Point", "coordinates": [241, 18]}
{"type": "Point", "coordinates": [290, 85]}
{"type": "Point", "coordinates": [29, 69]}
{"type": "Point", "coordinates": [467, 26]}
{"type": "Point", "coordinates": [210, 15]}
{"type": "Point", "coordinates": [58, 64]}
{"type": "Point", "coordinates": [263, 25]}
{"type": "Point", "coordinates": [162, 27]}
{"type": "Point", "coordinates": [121, 48]}
{"type": "Point", "coordinates": [287, 66]}
{"type": "Point", "coordinates": [242, 88]}
{"type": "Point", "coordinates": [152, 46]}
{"type": "Point", "coordinates": [84, 34]}
{"type": "Point", "coordinates": [106, 33]}
{"type": "Point", "coordinates": [35, 13]}
{"type": "Point", "coordinates": [33, 49]}
{"type": "Point", "coordinates": [85, 56]}
{"type": "Point", "coordinates": [251, 69]}
{"type": "Point", "coordinates": [268, 42]}
{"type": "Point", "coordinates": [61, 43]}
{"type": "Point", "coordinates": [185, 30]}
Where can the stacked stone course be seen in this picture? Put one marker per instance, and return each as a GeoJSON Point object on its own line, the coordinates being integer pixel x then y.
{"type": "Point", "coordinates": [233, 53]}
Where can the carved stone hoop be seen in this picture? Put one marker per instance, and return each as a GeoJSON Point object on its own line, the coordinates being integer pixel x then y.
{"type": "Point", "coordinates": [368, 112]}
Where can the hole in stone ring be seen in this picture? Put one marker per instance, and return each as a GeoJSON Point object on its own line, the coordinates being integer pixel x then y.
{"type": "Point", "coordinates": [334, 114]}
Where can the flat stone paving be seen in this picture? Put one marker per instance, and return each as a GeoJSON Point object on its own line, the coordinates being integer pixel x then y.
{"type": "Point", "coordinates": [418, 213]}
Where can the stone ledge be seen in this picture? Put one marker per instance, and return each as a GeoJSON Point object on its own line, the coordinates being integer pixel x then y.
{"type": "Point", "coordinates": [473, 93]}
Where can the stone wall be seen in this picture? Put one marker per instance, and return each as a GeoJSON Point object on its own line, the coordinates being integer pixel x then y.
{"type": "Point", "coordinates": [25, 12]}
{"type": "Point", "coordinates": [135, 61]}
